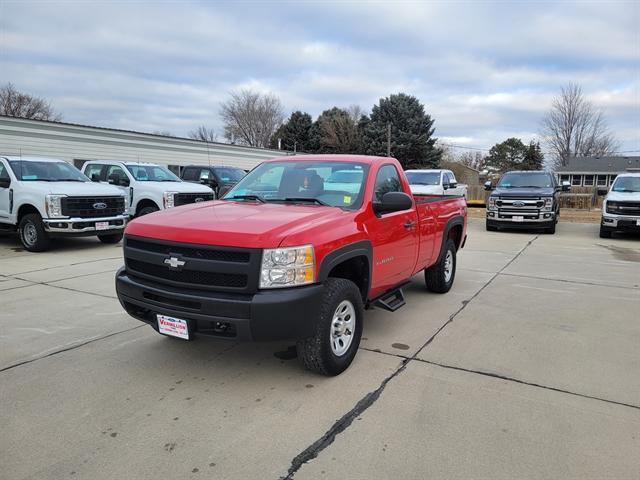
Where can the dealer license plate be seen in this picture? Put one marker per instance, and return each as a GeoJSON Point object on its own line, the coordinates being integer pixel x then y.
{"type": "Point", "coordinates": [637, 223]}
{"type": "Point", "coordinates": [175, 327]}
{"type": "Point", "coordinates": [102, 225]}
{"type": "Point", "coordinates": [517, 218]}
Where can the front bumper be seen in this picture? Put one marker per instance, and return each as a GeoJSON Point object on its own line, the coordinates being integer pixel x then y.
{"type": "Point", "coordinates": [620, 222]}
{"type": "Point", "coordinates": [495, 218]}
{"type": "Point", "coordinates": [280, 314]}
{"type": "Point", "coordinates": [84, 226]}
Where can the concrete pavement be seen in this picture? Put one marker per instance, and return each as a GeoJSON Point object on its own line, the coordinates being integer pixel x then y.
{"type": "Point", "coordinates": [528, 368]}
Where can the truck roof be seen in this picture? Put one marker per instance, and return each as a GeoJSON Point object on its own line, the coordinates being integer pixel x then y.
{"type": "Point", "coordinates": [371, 160]}
{"type": "Point", "coordinates": [27, 158]}
{"type": "Point", "coordinates": [528, 171]}
{"type": "Point", "coordinates": [122, 162]}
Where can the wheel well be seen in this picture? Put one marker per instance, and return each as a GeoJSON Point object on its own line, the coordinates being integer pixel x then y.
{"type": "Point", "coordinates": [355, 269]}
{"type": "Point", "coordinates": [145, 203]}
{"type": "Point", "coordinates": [26, 210]}
{"type": "Point", "coordinates": [455, 234]}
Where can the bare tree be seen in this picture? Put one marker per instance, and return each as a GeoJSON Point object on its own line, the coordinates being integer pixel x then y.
{"type": "Point", "coordinates": [575, 127]}
{"type": "Point", "coordinates": [473, 159]}
{"type": "Point", "coordinates": [339, 129]}
{"type": "Point", "coordinates": [163, 133]}
{"type": "Point", "coordinates": [251, 118]}
{"type": "Point", "coordinates": [17, 104]}
{"type": "Point", "coordinates": [204, 134]}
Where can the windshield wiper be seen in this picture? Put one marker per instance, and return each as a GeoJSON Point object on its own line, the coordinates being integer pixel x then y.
{"type": "Point", "coordinates": [248, 197]}
{"type": "Point", "coordinates": [66, 180]}
{"type": "Point", "coordinates": [530, 186]}
{"type": "Point", "coordinates": [305, 199]}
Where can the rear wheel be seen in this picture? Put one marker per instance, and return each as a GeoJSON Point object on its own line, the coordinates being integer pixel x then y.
{"type": "Point", "coordinates": [32, 234]}
{"type": "Point", "coordinates": [111, 238]}
{"type": "Point", "coordinates": [439, 278]}
{"type": "Point", "coordinates": [334, 344]}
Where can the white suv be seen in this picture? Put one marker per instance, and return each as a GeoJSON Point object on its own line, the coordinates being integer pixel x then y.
{"type": "Point", "coordinates": [42, 197]}
{"type": "Point", "coordinates": [150, 187]}
{"type": "Point", "coordinates": [621, 206]}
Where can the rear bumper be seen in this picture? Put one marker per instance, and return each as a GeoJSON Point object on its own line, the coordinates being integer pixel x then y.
{"type": "Point", "coordinates": [269, 315]}
{"type": "Point", "coordinates": [84, 226]}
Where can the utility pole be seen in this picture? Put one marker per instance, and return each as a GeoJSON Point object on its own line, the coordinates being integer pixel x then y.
{"type": "Point", "coordinates": [388, 139]}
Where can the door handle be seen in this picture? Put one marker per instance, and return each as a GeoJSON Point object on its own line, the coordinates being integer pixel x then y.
{"type": "Point", "coordinates": [409, 225]}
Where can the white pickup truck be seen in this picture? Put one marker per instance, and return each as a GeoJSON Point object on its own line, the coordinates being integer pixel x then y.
{"type": "Point", "coordinates": [150, 187]}
{"type": "Point", "coordinates": [42, 198]}
{"type": "Point", "coordinates": [435, 182]}
{"type": "Point", "coordinates": [621, 206]}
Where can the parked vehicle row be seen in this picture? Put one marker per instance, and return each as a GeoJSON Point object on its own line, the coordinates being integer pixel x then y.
{"type": "Point", "coordinates": [298, 249]}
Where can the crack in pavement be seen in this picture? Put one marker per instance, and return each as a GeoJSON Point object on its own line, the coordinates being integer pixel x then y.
{"type": "Point", "coordinates": [313, 450]}
{"type": "Point", "coordinates": [72, 347]}
{"type": "Point", "coordinates": [577, 282]}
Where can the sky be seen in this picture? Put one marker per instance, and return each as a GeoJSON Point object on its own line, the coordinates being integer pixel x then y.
{"type": "Point", "coordinates": [485, 71]}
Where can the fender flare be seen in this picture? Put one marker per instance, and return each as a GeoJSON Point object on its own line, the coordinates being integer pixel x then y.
{"type": "Point", "coordinates": [344, 253]}
{"type": "Point", "coordinates": [455, 221]}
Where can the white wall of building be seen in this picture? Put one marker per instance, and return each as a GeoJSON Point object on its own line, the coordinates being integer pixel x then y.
{"type": "Point", "coordinates": [76, 143]}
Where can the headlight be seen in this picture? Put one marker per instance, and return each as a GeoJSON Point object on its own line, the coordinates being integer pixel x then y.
{"type": "Point", "coordinates": [548, 204]}
{"type": "Point", "coordinates": [287, 267]}
{"type": "Point", "coordinates": [612, 207]}
{"type": "Point", "coordinates": [126, 204]}
{"type": "Point", "coordinates": [168, 199]}
{"type": "Point", "coordinates": [492, 203]}
{"type": "Point", "coordinates": [53, 205]}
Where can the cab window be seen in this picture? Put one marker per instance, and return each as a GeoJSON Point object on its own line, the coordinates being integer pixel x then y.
{"type": "Point", "coordinates": [94, 169]}
{"type": "Point", "coordinates": [387, 180]}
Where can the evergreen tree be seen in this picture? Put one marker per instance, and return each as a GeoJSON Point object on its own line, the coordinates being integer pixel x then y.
{"type": "Point", "coordinates": [412, 141]}
{"type": "Point", "coordinates": [508, 155]}
{"type": "Point", "coordinates": [294, 134]}
{"type": "Point", "coordinates": [533, 158]}
{"type": "Point", "coordinates": [336, 131]}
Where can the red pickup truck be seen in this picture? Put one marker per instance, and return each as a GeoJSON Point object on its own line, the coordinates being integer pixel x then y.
{"type": "Point", "coordinates": [298, 249]}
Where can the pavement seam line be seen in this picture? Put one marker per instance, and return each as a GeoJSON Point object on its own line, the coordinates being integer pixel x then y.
{"type": "Point", "coordinates": [564, 280]}
{"type": "Point", "coordinates": [524, 382]}
{"type": "Point", "coordinates": [72, 347]}
{"type": "Point", "coordinates": [313, 450]}
{"type": "Point", "coordinates": [64, 266]}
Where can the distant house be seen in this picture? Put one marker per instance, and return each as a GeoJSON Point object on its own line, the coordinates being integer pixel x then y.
{"type": "Point", "coordinates": [463, 173]}
{"type": "Point", "coordinates": [596, 171]}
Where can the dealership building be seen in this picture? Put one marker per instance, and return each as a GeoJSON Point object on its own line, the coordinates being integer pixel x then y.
{"type": "Point", "coordinates": [80, 143]}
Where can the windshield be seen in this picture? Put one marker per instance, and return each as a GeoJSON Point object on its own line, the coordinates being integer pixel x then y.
{"type": "Point", "coordinates": [423, 178]}
{"type": "Point", "coordinates": [626, 184]}
{"type": "Point", "coordinates": [336, 184]}
{"type": "Point", "coordinates": [230, 174]}
{"type": "Point", "coordinates": [152, 173]}
{"type": "Point", "coordinates": [30, 171]}
{"type": "Point", "coordinates": [526, 180]}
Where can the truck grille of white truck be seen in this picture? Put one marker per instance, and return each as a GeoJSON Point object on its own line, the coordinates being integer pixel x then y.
{"type": "Point", "coordinates": [92, 207]}
{"type": "Point", "coordinates": [186, 198]}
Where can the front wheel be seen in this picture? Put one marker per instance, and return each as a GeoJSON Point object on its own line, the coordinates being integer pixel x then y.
{"type": "Point", "coordinates": [605, 232]}
{"type": "Point", "coordinates": [439, 277]}
{"type": "Point", "coordinates": [490, 228]}
{"type": "Point", "coordinates": [552, 229]}
{"type": "Point", "coordinates": [334, 344]}
{"type": "Point", "coordinates": [111, 238]}
{"type": "Point", "coordinates": [32, 234]}
{"type": "Point", "coordinates": [147, 210]}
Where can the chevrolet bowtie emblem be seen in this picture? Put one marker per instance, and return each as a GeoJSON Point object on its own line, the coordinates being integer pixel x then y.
{"type": "Point", "coordinates": [174, 262]}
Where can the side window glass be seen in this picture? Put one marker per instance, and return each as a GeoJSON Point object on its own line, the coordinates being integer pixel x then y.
{"type": "Point", "coordinates": [4, 174]}
{"type": "Point", "coordinates": [92, 170]}
{"type": "Point", "coordinates": [117, 170]}
{"type": "Point", "coordinates": [188, 174]}
{"type": "Point", "coordinates": [387, 180]}
{"type": "Point", "coordinates": [204, 174]}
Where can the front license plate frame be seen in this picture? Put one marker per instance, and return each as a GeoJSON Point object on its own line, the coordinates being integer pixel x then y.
{"type": "Point", "coordinates": [517, 218]}
{"type": "Point", "coordinates": [102, 226]}
{"type": "Point", "coordinates": [174, 327]}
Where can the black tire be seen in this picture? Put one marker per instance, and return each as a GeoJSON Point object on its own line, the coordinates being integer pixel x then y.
{"type": "Point", "coordinates": [111, 238]}
{"type": "Point", "coordinates": [605, 232]}
{"type": "Point", "coordinates": [435, 277]}
{"type": "Point", "coordinates": [147, 210]}
{"type": "Point", "coordinates": [491, 228]}
{"type": "Point", "coordinates": [551, 230]}
{"type": "Point", "coordinates": [315, 353]}
{"type": "Point", "coordinates": [32, 233]}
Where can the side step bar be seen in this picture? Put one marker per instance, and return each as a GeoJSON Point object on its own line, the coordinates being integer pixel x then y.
{"type": "Point", "coordinates": [391, 301]}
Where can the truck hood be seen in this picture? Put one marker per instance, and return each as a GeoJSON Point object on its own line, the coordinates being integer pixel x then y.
{"type": "Point", "coordinates": [523, 192]}
{"type": "Point", "coordinates": [72, 188]}
{"type": "Point", "coordinates": [180, 187]}
{"type": "Point", "coordinates": [623, 196]}
{"type": "Point", "coordinates": [232, 224]}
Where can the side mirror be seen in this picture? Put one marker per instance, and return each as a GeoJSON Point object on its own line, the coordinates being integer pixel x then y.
{"type": "Point", "coordinates": [566, 186]}
{"type": "Point", "coordinates": [453, 185]}
{"type": "Point", "coordinates": [95, 177]}
{"type": "Point", "coordinates": [5, 182]}
{"type": "Point", "coordinates": [393, 202]}
{"type": "Point", "coordinates": [487, 186]}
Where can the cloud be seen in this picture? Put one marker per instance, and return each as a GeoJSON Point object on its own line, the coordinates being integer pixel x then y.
{"type": "Point", "coordinates": [484, 70]}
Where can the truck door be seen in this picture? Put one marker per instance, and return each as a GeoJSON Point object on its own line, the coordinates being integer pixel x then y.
{"type": "Point", "coordinates": [5, 194]}
{"type": "Point", "coordinates": [394, 235]}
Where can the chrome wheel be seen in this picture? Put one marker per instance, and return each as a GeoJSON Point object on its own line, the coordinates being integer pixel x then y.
{"type": "Point", "coordinates": [30, 234]}
{"type": "Point", "coordinates": [448, 266]}
{"type": "Point", "coordinates": [343, 327]}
